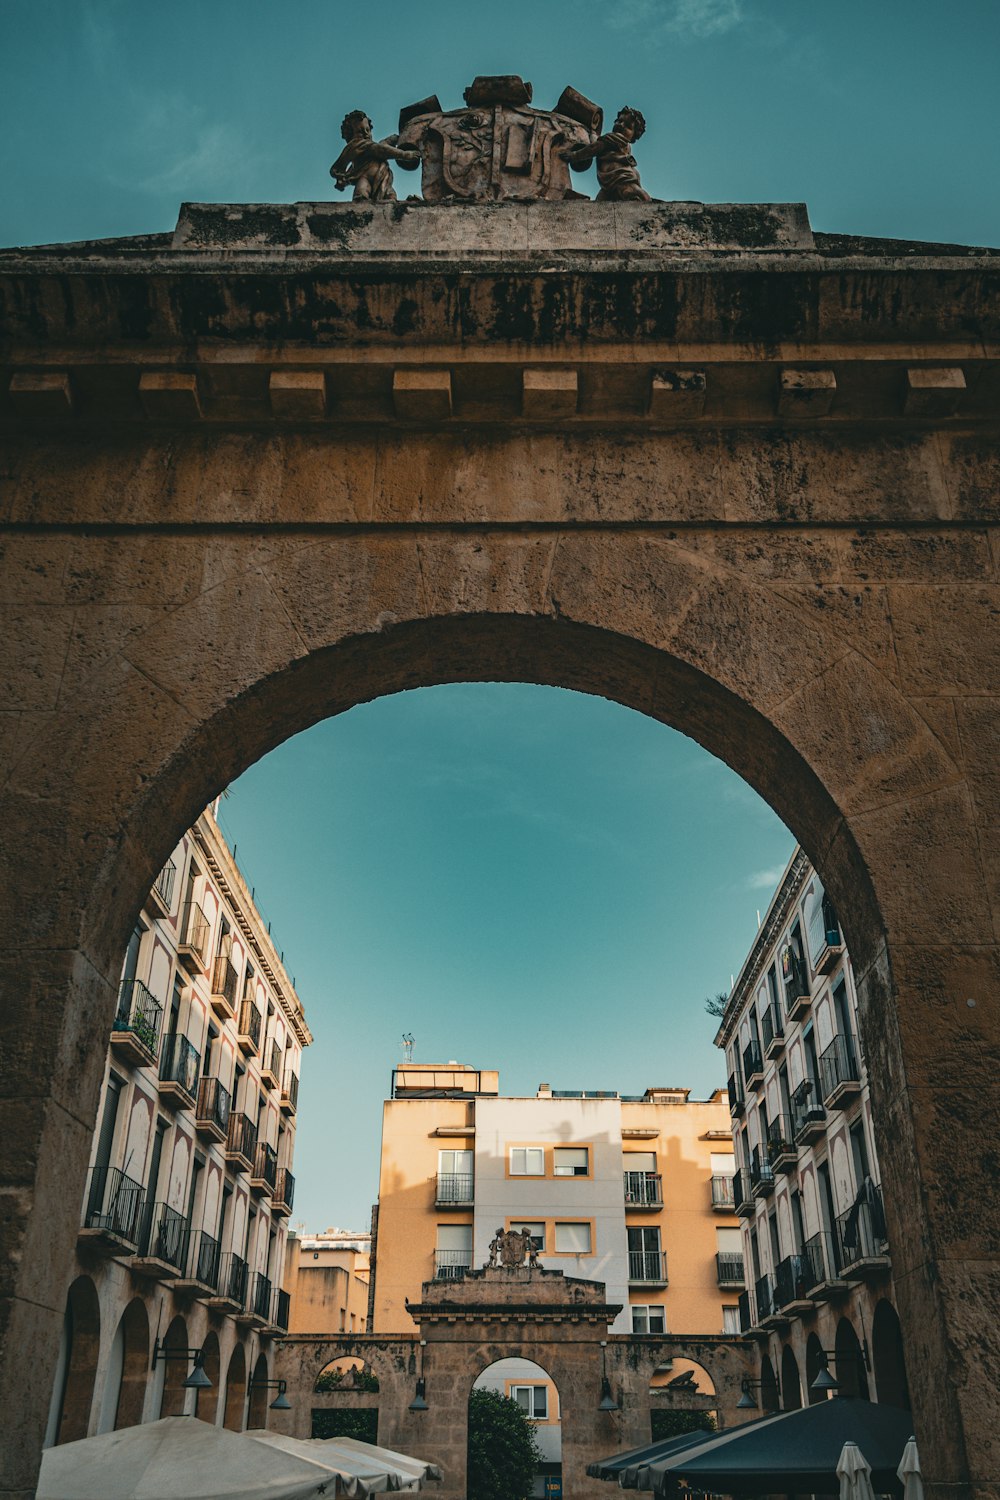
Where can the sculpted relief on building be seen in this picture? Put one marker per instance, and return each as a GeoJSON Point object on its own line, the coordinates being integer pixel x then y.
{"type": "Point", "coordinates": [497, 149]}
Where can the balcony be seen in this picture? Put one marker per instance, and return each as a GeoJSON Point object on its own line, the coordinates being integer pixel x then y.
{"type": "Point", "coordinates": [112, 1217]}
{"type": "Point", "coordinates": [769, 1314]}
{"type": "Point", "coordinates": [231, 1293]}
{"type": "Point", "coordinates": [256, 1313]}
{"type": "Point", "coordinates": [179, 1067]}
{"type": "Point", "coordinates": [791, 1286]}
{"type": "Point", "coordinates": [736, 1100]}
{"type": "Point", "coordinates": [289, 1101]}
{"type": "Point", "coordinates": [832, 951]}
{"type": "Point", "coordinates": [753, 1064]}
{"type": "Point", "coordinates": [451, 1265]}
{"type": "Point", "coordinates": [723, 1194]}
{"type": "Point", "coordinates": [280, 1310]}
{"type": "Point", "coordinates": [200, 1277]}
{"type": "Point", "coordinates": [135, 1034]}
{"type": "Point", "coordinates": [729, 1270]}
{"type": "Point", "coordinates": [808, 1114]}
{"type": "Point", "coordinates": [781, 1151]}
{"type": "Point", "coordinates": [224, 981]}
{"type": "Point", "coordinates": [761, 1175]}
{"type": "Point", "coordinates": [796, 985]}
{"type": "Point", "coordinates": [248, 1030]}
{"type": "Point", "coordinates": [643, 1190]}
{"type": "Point", "coordinates": [270, 1066]}
{"type": "Point", "coordinates": [647, 1267]}
{"type": "Point", "coordinates": [164, 1245]}
{"type": "Point", "coordinates": [283, 1196]}
{"type": "Point", "coordinates": [862, 1238]}
{"type": "Point", "coordinates": [743, 1196]}
{"type": "Point", "coordinates": [241, 1142]}
{"type": "Point", "coordinates": [455, 1190]}
{"type": "Point", "coordinates": [773, 1029]}
{"type": "Point", "coordinates": [192, 949]}
{"type": "Point", "coordinates": [823, 1281]}
{"type": "Point", "coordinates": [161, 894]}
{"type": "Point", "coordinates": [839, 1075]}
{"type": "Point", "coordinates": [211, 1113]}
{"type": "Point", "coordinates": [264, 1172]}
{"type": "Point", "coordinates": [748, 1313]}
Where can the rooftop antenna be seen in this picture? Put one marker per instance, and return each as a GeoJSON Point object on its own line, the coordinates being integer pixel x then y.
{"type": "Point", "coordinates": [407, 1046]}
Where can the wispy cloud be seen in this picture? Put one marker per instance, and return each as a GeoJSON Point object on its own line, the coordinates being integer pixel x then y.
{"type": "Point", "coordinates": [764, 880]}
{"type": "Point", "coordinates": [696, 20]}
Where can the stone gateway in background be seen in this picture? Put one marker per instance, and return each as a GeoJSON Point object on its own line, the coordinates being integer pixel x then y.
{"type": "Point", "coordinates": [737, 475]}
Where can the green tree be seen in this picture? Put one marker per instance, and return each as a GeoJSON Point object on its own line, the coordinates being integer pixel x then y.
{"type": "Point", "coordinates": [668, 1424]}
{"type": "Point", "coordinates": [503, 1454]}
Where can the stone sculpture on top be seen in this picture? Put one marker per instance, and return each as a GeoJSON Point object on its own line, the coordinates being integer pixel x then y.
{"type": "Point", "coordinates": [497, 149]}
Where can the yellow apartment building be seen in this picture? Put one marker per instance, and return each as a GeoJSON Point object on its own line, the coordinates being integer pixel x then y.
{"type": "Point", "coordinates": [634, 1191]}
{"type": "Point", "coordinates": [326, 1277]}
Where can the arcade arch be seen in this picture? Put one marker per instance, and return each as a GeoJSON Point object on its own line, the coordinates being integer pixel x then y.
{"type": "Point", "coordinates": [134, 1328]}
{"type": "Point", "coordinates": [849, 1362]}
{"type": "Point", "coordinates": [174, 1397]}
{"type": "Point", "coordinates": [887, 1357]}
{"type": "Point", "coordinates": [791, 1387]}
{"type": "Point", "coordinates": [73, 1394]}
{"type": "Point", "coordinates": [536, 1393]}
{"type": "Point", "coordinates": [236, 1391]}
{"type": "Point", "coordinates": [259, 1394]}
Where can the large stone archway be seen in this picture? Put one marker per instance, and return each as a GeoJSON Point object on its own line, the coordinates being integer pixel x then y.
{"type": "Point", "coordinates": [200, 561]}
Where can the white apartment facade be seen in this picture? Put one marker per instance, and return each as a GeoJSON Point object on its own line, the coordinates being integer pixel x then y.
{"type": "Point", "coordinates": [183, 1220]}
{"type": "Point", "coordinates": [807, 1187]}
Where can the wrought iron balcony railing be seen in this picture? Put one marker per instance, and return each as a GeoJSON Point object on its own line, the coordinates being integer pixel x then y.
{"type": "Point", "coordinates": [735, 1095]}
{"type": "Point", "coordinates": [648, 1266]}
{"type": "Point", "coordinates": [761, 1174]}
{"type": "Point", "coordinates": [839, 1075]}
{"type": "Point", "coordinates": [233, 1279]}
{"type": "Point", "coordinates": [270, 1066]}
{"type": "Point", "coordinates": [861, 1231]}
{"type": "Point", "coordinates": [195, 929]}
{"type": "Point", "coordinates": [248, 1031]}
{"type": "Point", "coordinates": [179, 1065]}
{"type": "Point", "coordinates": [290, 1091]}
{"type": "Point", "coordinates": [643, 1190]}
{"type": "Point", "coordinates": [729, 1268]}
{"type": "Point", "coordinates": [792, 1280]}
{"type": "Point", "coordinates": [114, 1205]}
{"type": "Point", "coordinates": [455, 1187]}
{"type": "Point", "coordinates": [764, 1297]}
{"type": "Point", "coordinates": [211, 1112]}
{"type": "Point", "coordinates": [451, 1265]}
{"type": "Point", "coordinates": [224, 983]}
{"type": "Point", "coordinates": [260, 1297]}
{"type": "Point", "coordinates": [264, 1172]}
{"type": "Point", "coordinates": [283, 1197]}
{"type": "Point", "coordinates": [137, 1022]}
{"type": "Point", "coordinates": [808, 1113]}
{"type": "Point", "coordinates": [822, 1252]}
{"type": "Point", "coordinates": [280, 1310]}
{"type": "Point", "coordinates": [742, 1194]}
{"type": "Point", "coordinates": [163, 885]}
{"type": "Point", "coordinates": [773, 1030]}
{"type": "Point", "coordinates": [747, 1311]}
{"type": "Point", "coordinates": [753, 1063]}
{"type": "Point", "coordinates": [781, 1150]}
{"type": "Point", "coordinates": [204, 1257]}
{"type": "Point", "coordinates": [165, 1236]}
{"type": "Point", "coordinates": [723, 1191]}
{"type": "Point", "coordinates": [241, 1142]}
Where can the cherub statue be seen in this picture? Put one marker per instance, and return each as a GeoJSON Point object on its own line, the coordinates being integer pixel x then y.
{"type": "Point", "coordinates": [365, 162]}
{"type": "Point", "coordinates": [496, 1247]}
{"type": "Point", "coordinates": [617, 172]}
{"type": "Point", "coordinates": [530, 1249]}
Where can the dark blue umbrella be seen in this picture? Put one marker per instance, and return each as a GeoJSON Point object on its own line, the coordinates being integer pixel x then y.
{"type": "Point", "coordinates": [635, 1458]}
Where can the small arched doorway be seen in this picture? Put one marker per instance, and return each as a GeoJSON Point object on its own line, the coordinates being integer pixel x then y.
{"type": "Point", "coordinates": [339, 1384]}
{"type": "Point", "coordinates": [134, 1328]}
{"type": "Point", "coordinates": [791, 1384]}
{"type": "Point", "coordinates": [852, 1378]}
{"type": "Point", "coordinates": [236, 1390]}
{"type": "Point", "coordinates": [769, 1398]}
{"type": "Point", "coordinates": [259, 1397]}
{"type": "Point", "coordinates": [535, 1392]}
{"type": "Point", "coordinates": [681, 1399]}
{"type": "Point", "coordinates": [73, 1398]}
{"type": "Point", "coordinates": [175, 1371]}
{"type": "Point", "coordinates": [887, 1357]}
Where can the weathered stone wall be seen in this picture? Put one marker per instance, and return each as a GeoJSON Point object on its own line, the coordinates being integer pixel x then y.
{"type": "Point", "coordinates": [196, 568]}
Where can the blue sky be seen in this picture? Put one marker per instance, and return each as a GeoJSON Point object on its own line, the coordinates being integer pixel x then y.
{"type": "Point", "coordinates": [523, 878]}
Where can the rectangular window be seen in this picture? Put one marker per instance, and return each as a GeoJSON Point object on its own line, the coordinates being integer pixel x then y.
{"type": "Point", "coordinates": [649, 1318]}
{"type": "Point", "coordinates": [573, 1239]}
{"type": "Point", "coordinates": [536, 1229]}
{"type": "Point", "coordinates": [730, 1320]}
{"type": "Point", "coordinates": [533, 1400]}
{"type": "Point", "coordinates": [455, 1163]}
{"type": "Point", "coordinates": [527, 1161]}
{"type": "Point", "coordinates": [571, 1161]}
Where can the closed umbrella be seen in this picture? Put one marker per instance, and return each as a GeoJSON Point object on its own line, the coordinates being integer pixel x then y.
{"type": "Point", "coordinates": [355, 1477]}
{"type": "Point", "coordinates": [909, 1472]}
{"type": "Point", "coordinates": [405, 1461]}
{"type": "Point", "coordinates": [854, 1473]}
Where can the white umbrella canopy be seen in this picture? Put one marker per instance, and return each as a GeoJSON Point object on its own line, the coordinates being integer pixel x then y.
{"type": "Point", "coordinates": [909, 1472]}
{"type": "Point", "coordinates": [178, 1458]}
{"type": "Point", "coordinates": [358, 1476]}
{"type": "Point", "coordinates": [854, 1473]}
{"type": "Point", "coordinates": [418, 1466]}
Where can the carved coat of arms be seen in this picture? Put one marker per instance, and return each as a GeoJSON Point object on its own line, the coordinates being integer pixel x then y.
{"type": "Point", "coordinates": [498, 148]}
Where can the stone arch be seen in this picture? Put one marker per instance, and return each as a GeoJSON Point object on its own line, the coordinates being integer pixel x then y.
{"type": "Point", "coordinates": [531, 1384]}
{"type": "Point", "coordinates": [174, 1397]}
{"type": "Point", "coordinates": [791, 1387]}
{"type": "Point", "coordinates": [206, 1402]}
{"type": "Point", "coordinates": [889, 1370]}
{"type": "Point", "coordinates": [349, 1372]}
{"type": "Point", "coordinates": [678, 1373]}
{"type": "Point", "coordinates": [776, 688]}
{"type": "Point", "coordinates": [234, 1409]}
{"type": "Point", "coordinates": [769, 1398]}
{"type": "Point", "coordinates": [135, 1365]}
{"type": "Point", "coordinates": [849, 1363]}
{"type": "Point", "coordinates": [83, 1323]}
{"type": "Point", "coordinates": [260, 1397]}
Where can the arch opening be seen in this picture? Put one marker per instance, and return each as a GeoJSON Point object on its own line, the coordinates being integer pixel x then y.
{"type": "Point", "coordinates": [531, 1388]}
{"type": "Point", "coordinates": [236, 1391]}
{"type": "Point", "coordinates": [135, 1365]}
{"type": "Point", "coordinates": [82, 1344]}
{"type": "Point", "coordinates": [260, 1397]}
{"type": "Point", "coordinates": [174, 1398]}
{"type": "Point", "coordinates": [887, 1357]}
{"type": "Point", "coordinates": [791, 1387]}
{"type": "Point", "coordinates": [849, 1361]}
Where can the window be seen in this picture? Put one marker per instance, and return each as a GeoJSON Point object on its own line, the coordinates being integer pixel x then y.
{"type": "Point", "coordinates": [527, 1161]}
{"type": "Point", "coordinates": [731, 1320]}
{"type": "Point", "coordinates": [573, 1239]}
{"type": "Point", "coordinates": [571, 1161]}
{"type": "Point", "coordinates": [536, 1230]}
{"type": "Point", "coordinates": [532, 1399]}
{"type": "Point", "coordinates": [455, 1162]}
{"type": "Point", "coordinates": [648, 1318]}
